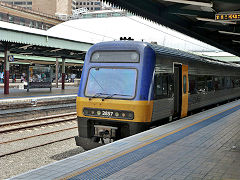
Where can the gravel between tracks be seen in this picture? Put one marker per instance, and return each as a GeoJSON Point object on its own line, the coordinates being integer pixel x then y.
{"type": "Point", "coordinates": [34, 158]}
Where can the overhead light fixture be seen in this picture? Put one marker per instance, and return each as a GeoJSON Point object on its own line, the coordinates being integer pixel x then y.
{"type": "Point", "coordinates": [231, 33]}
{"type": "Point", "coordinates": [235, 41]}
{"type": "Point", "coordinates": [213, 20]}
{"type": "Point", "coordinates": [26, 53]}
{"type": "Point", "coordinates": [26, 46]}
{"type": "Point", "coordinates": [196, 3]}
{"type": "Point", "coordinates": [55, 50]}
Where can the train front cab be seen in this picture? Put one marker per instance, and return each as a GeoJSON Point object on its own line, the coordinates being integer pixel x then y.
{"type": "Point", "coordinates": [114, 110]}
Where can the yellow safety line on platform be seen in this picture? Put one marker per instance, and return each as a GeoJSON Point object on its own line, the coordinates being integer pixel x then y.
{"type": "Point", "coordinates": [142, 145]}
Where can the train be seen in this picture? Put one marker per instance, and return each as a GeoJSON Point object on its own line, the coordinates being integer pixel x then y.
{"type": "Point", "coordinates": [126, 86]}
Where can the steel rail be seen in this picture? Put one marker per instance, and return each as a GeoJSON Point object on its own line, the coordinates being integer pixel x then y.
{"type": "Point", "coordinates": [48, 118]}
{"type": "Point", "coordinates": [28, 137]}
{"type": "Point", "coordinates": [14, 152]}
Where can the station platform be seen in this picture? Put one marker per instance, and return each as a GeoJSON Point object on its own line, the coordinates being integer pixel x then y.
{"type": "Point", "coordinates": [40, 93]}
{"type": "Point", "coordinates": [202, 146]}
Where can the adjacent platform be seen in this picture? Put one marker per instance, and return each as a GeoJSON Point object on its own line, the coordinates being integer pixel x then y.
{"type": "Point", "coordinates": [21, 96]}
{"type": "Point", "coordinates": [202, 146]}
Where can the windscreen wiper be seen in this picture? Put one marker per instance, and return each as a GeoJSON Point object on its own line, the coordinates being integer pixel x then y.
{"type": "Point", "coordinates": [111, 95]}
{"type": "Point", "coordinates": [97, 95]}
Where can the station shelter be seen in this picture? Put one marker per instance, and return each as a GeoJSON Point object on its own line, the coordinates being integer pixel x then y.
{"type": "Point", "coordinates": [23, 47]}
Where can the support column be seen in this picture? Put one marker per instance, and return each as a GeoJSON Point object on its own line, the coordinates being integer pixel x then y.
{"type": "Point", "coordinates": [6, 71]}
{"type": "Point", "coordinates": [56, 72]}
{"type": "Point", "coordinates": [63, 72]}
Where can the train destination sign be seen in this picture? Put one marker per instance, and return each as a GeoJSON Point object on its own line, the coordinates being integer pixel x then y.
{"type": "Point", "coordinates": [227, 17]}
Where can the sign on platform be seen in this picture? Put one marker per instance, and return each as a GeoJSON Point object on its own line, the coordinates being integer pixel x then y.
{"type": "Point", "coordinates": [227, 17]}
{"type": "Point", "coordinates": [10, 58]}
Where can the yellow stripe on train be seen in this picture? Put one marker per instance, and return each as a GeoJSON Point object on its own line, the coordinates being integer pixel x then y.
{"type": "Point", "coordinates": [142, 109]}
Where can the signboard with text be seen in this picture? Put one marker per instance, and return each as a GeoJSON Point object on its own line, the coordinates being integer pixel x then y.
{"type": "Point", "coordinates": [227, 17]}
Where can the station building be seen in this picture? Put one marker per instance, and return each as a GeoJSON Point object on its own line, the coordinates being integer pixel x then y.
{"type": "Point", "coordinates": [52, 7]}
{"type": "Point", "coordinates": [27, 17]}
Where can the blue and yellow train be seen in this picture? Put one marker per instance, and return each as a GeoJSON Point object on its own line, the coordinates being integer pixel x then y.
{"type": "Point", "coordinates": [127, 85]}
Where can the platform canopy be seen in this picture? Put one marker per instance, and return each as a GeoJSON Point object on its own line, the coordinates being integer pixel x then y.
{"type": "Point", "coordinates": [28, 41]}
{"type": "Point", "coordinates": [195, 18]}
{"type": "Point", "coordinates": [94, 30]}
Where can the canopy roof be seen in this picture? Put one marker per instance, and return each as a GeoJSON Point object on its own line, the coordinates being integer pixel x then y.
{"type": "Point", "coordinates": [24, 40]}
{"type": "Point", "coordinates": [95, 30]}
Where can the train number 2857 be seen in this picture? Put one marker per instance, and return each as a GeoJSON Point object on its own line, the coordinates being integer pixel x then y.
{"type": "Point", "coordinates": [107, 113]}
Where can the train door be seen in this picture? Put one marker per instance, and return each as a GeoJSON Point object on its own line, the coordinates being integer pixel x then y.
{"type": "Point", "coordinates": [177, 95]}
{"type": "Point", "coordinates": [184, 108]}
{"type": "Point", "coordinates": [180, 90]}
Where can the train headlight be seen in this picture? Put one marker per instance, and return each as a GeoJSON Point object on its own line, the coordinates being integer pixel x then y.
{"type": "Point", "coordinates": [130, 115]}
{"type": "Point", "coordinates": [92, 112]}
{"type": "Point", "coordinates": [85, 111]}
{"type": "Point", "coordinates": [116, 114]}
{"type": "Point", "coordinates": [99, 113]}
{"type": "Point", "coordinates": [123, 115]}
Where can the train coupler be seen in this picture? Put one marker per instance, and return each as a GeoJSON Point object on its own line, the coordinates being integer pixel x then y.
{"type": "Point", "coordinates": [105, 132]}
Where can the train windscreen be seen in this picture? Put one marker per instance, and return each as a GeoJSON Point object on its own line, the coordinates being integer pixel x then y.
{"type": "Point", "coordinates": [111, 82]}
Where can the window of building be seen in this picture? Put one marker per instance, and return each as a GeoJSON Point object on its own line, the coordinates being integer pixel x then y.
{"type": "Point", "coordinates": [19, 3]}
{"type": "Point", "coordinates": [31, 23]}
{"type": "Point", "coordinates": [22, 21]}
{"type": "Point", "coordinates": [97, 3]}
{"type": "Point", "coordinates": [29, 3]}
{"type": "Point", "coordinates": [84, 3]}
{"type": "Point", "coordinates": [80, 3]}
{"type": "Point", "coordinates": [87, 3]}
{"type": "Point", "coordinates": [91, 3]}
{"type": "Point", "coordinates": [10, 19]}
{"type": "Point", "coordinates": [97, 8]}
{"type": "Point", "coordinates": [115, 14]}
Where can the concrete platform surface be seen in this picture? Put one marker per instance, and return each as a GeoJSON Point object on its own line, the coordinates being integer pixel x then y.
{"type": "Point", "coordinates": [38, 92]}
{"type": "Point", "coordinates": [202, 146]}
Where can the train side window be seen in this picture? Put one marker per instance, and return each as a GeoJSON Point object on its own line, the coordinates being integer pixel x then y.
{"type": "Point", "coordinates": [192, 84]}
{"type": "Point", "coordinates": [184, 84]}
{"type": "Point", "coordinates": [161, 86]}
{"type": "Point", "coordinates": [209, 81]}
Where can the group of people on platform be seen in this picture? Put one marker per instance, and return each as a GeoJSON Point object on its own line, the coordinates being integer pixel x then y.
{"type": "Point", "coordinates": [68, 77]}
{"type": "Point", "coordinates": [14, 77]}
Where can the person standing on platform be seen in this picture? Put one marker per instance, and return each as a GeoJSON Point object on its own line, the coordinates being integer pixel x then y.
{"type": "Point", "coordinates": [14, 78]}
{"type": "Point", "coordinates": [73, 77]}
{"type": "Point", "coordinates": [1, 77]}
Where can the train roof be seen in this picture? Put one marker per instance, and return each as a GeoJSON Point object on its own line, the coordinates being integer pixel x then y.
{"type": "Point", "coordinates": [162, 50]}
{"type": "Point", "coordinates": [178, 53]}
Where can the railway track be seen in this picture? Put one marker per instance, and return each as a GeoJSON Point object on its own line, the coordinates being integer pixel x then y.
{"type": "Point", "coordinates": [17, 125]}
{"type": "Point", "coordinates": [23, 135]}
